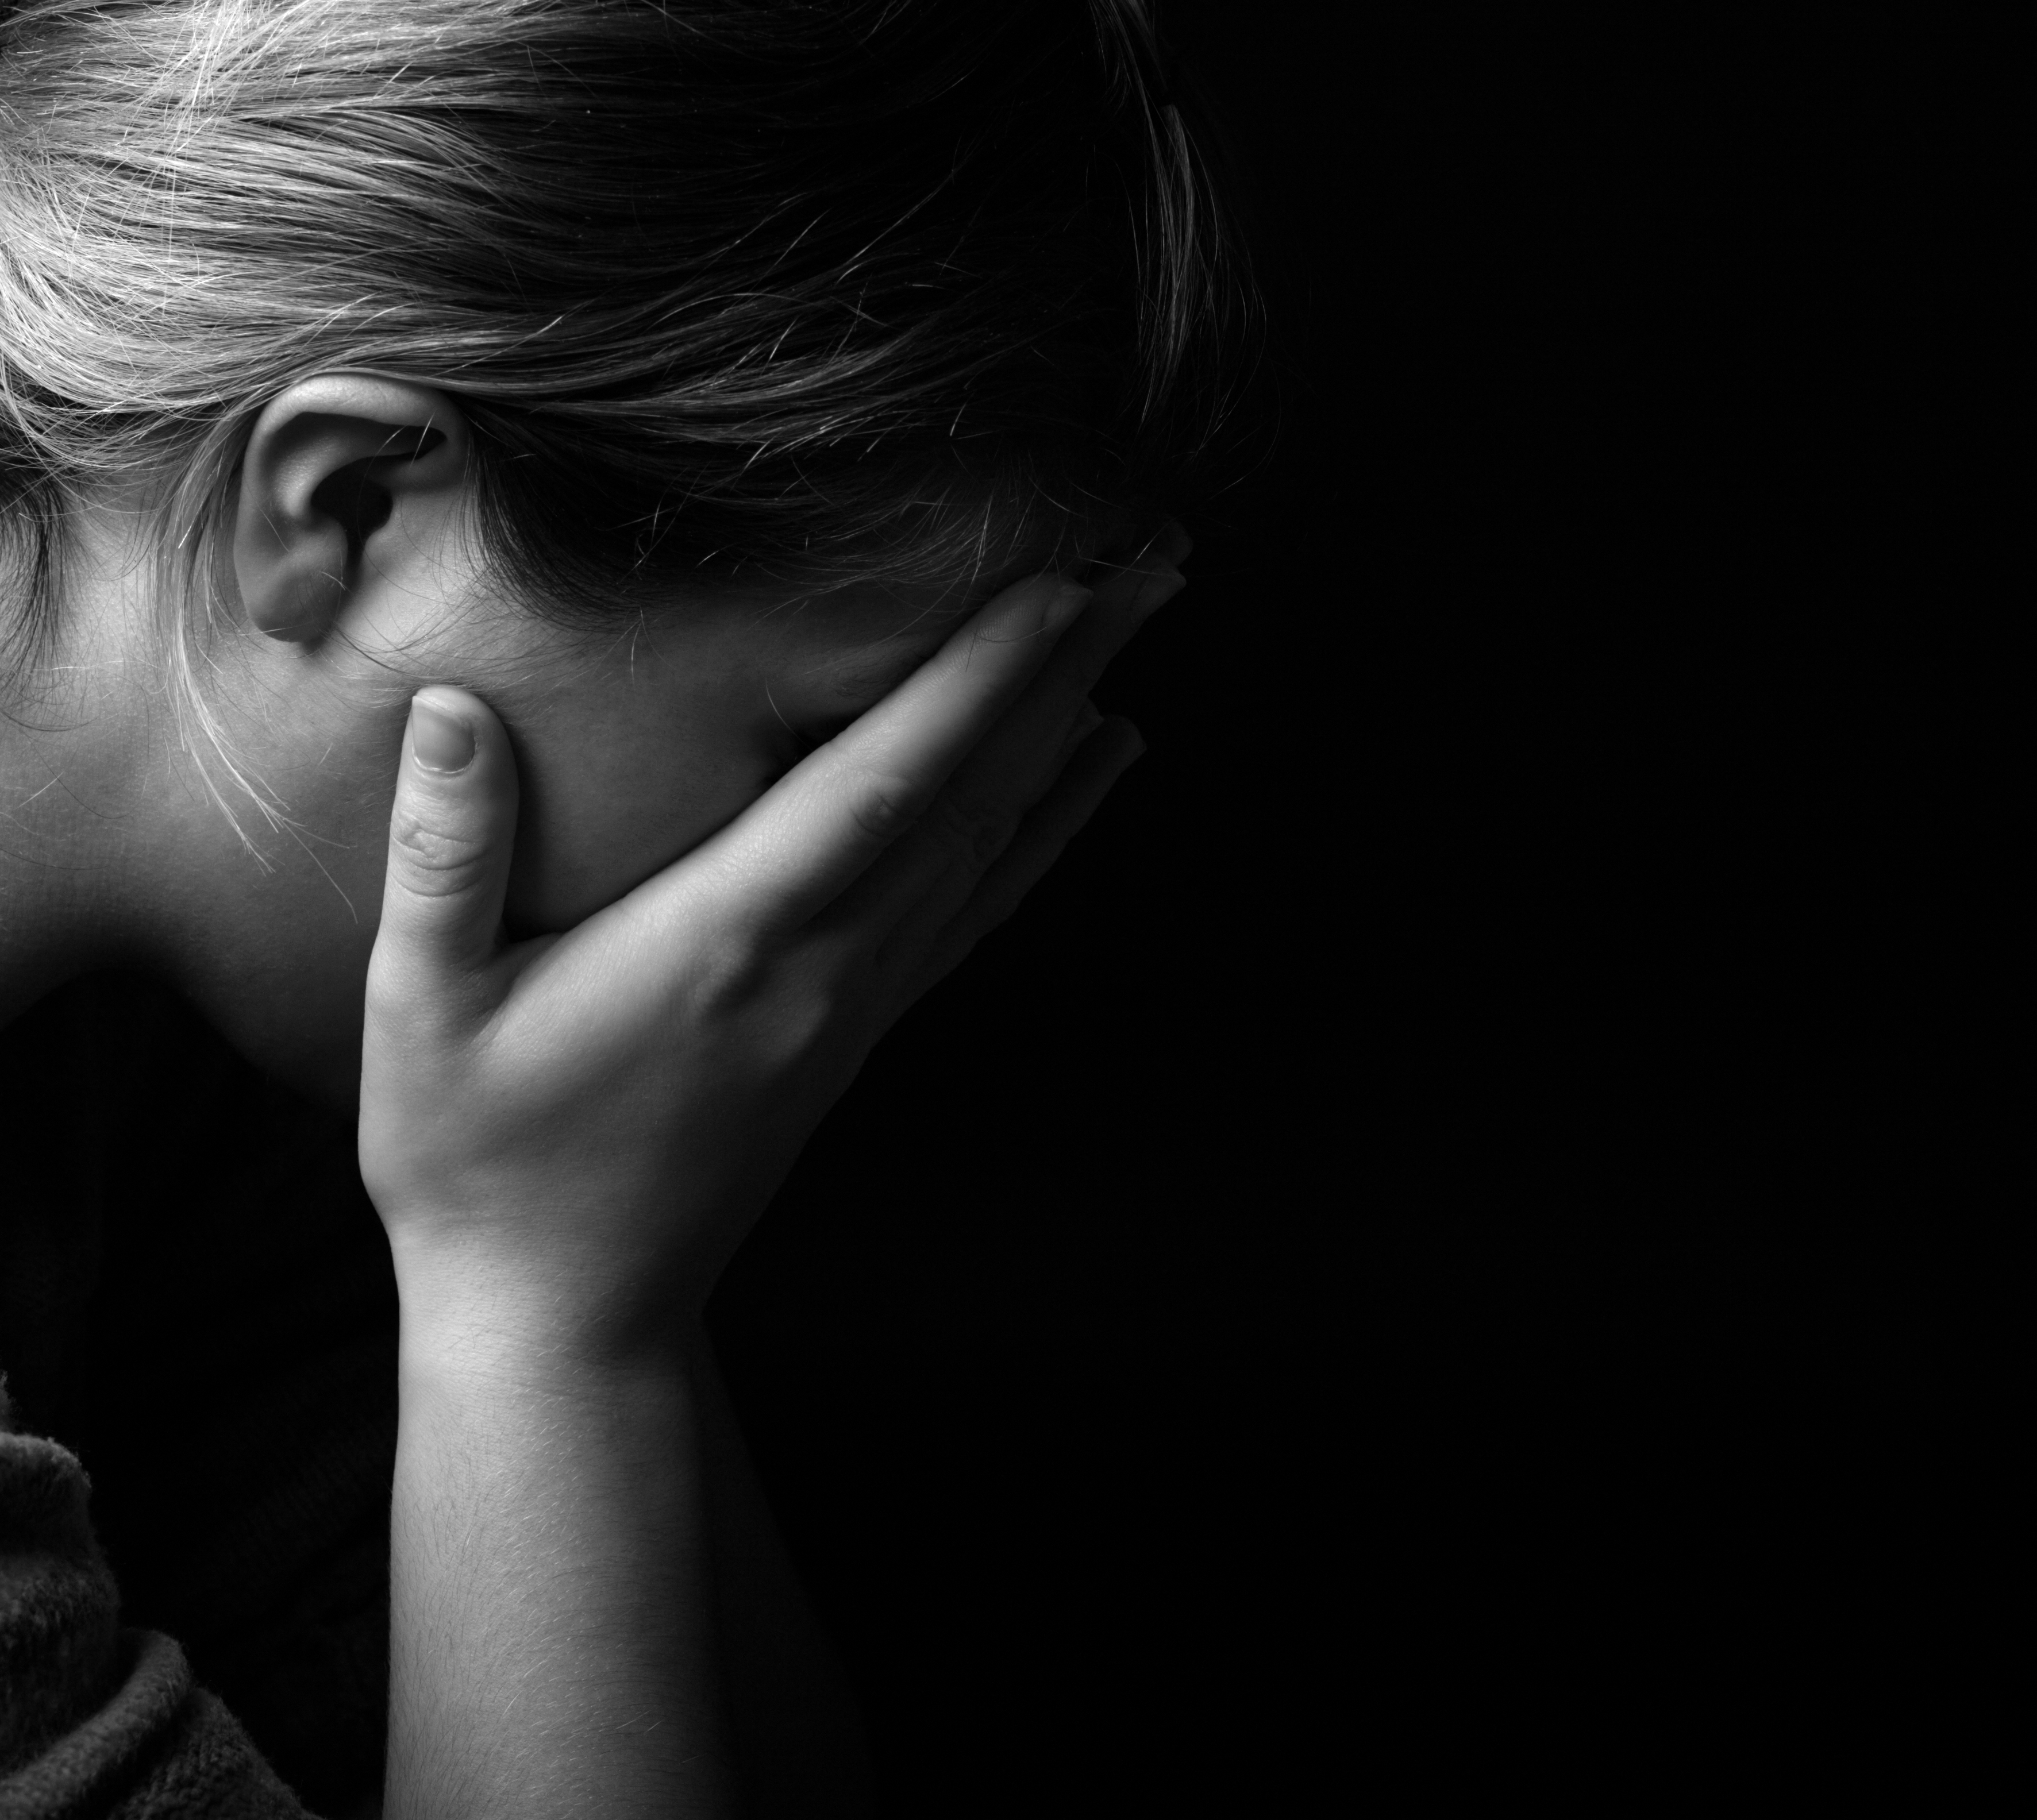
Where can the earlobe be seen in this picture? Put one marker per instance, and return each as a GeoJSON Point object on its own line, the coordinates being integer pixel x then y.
{"type": "Point", "coordinates": [329, 464]}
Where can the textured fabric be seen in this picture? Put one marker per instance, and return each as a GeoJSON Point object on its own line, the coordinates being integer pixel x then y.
{"type": "Point", "coordinates": [197, 1327]}
{"type": "Point", "coordinates": [59, 1638]}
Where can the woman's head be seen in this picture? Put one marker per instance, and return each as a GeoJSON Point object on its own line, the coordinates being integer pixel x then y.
{"type": "Point", "coordinates": [671, 374]}
{"type": "Point", "coordinates": [779, 294]}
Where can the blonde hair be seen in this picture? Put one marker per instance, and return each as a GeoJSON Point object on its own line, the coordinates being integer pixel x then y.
{"type": "Point", "coordinates": [777, 292]}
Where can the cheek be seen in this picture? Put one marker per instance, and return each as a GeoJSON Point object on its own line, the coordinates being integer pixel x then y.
{"type": "Point", "coordinates": [597, 820]}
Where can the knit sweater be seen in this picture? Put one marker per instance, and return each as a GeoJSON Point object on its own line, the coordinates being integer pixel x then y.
{"type": "Point", "coordinates": [197, 1329]}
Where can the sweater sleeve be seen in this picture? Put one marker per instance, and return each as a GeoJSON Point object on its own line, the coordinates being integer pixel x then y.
{"type": "Point", "coordinates": [94, 1720]}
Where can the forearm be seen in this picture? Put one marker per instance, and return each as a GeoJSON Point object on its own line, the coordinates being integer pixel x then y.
{"type": "Point", "coordinates": [551, 1607]}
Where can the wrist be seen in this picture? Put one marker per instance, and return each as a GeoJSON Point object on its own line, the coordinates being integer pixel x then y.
{"type": "Point", "coordinates": [468, 1321]}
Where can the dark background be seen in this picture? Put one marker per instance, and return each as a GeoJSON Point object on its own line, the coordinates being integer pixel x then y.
{"type": "Point", "coordinates": [1443, 1264]}
{"type": "Point", "coordinates": [1381, 1279]}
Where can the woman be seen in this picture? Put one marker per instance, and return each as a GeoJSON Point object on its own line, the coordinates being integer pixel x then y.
{"type": "Point", "coordinates": [556, 552]}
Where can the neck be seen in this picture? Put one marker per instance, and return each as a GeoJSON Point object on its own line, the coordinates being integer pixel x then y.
{"type": "Point", "coordinates": [114, 851]}
{"type": "Point", "coordinates": [73, 757]}
{"type": "Point", "coordinates": [113, 854]}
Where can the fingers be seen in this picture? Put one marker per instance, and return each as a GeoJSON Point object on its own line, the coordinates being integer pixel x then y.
{"type": "Point", "coordinates": [933, 870]}
{"type": "Point", "coordinates": [1165, 545]}
{"type": "Point", "coordinates": [1102, 758]}
{"type": "Point", "coordinates": [1009, 767]}
{"type": "Point", "coordinates": [909, 901]}
{"type": "Point", "coordinates": [451, 830]}
{"type": "Point", "coordinates": [1014, 764]}
{"type": "Point", "coordinates": [815, 831]}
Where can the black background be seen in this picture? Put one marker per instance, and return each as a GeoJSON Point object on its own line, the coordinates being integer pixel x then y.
{"type": "Point", "coordinates": [1429, 1270]}
{"type": "Point", "coordinates": [1380, 1279]}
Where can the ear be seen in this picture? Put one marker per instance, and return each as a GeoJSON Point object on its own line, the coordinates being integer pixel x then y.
{"type": "Point", "coordinates": [346, 475]}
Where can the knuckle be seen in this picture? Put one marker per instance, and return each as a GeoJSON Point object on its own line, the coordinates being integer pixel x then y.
{"type": "Point", "coordinates": [801, 1024]}
{"type": "Point", "coordinates": [770, 1010]}
{"type": "Point", "coordinates": [728, 971]}
{"type": "Point", "coordinates": [973, 832]}
{"type": "Point", "coordinates": [432, 861]}
{"type": "Point", "coordinates": [884, 803]}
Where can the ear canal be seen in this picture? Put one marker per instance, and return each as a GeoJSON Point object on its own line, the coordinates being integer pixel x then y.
{"type": "Point", "coordinates": [352, 500]}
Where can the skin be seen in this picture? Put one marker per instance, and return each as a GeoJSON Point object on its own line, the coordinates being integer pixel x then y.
{"type": "Point", "coordinates": [592, 931]}
{"type": "Point", "coordinates": [631, 745]}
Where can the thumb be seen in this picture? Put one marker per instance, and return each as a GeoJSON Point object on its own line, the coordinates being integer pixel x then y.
{"type": "Point", "coordinates": [450, 834]}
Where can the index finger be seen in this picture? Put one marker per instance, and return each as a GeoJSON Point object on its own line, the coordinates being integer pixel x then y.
{"type": "Point", "coordinates": [809, 837]}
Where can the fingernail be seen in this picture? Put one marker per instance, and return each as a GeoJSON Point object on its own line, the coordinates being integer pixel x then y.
{"type": "Point", "coordinates": [1071, 599]}
{"type": "Point", "coordinates": [1035, 611]}
{"type": "Point", "coordinates": [443, 741]}
{"type": "Point", "coordinates": [1087, 720]}
{"type": "Point", "coordinates": [1160, 588]}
